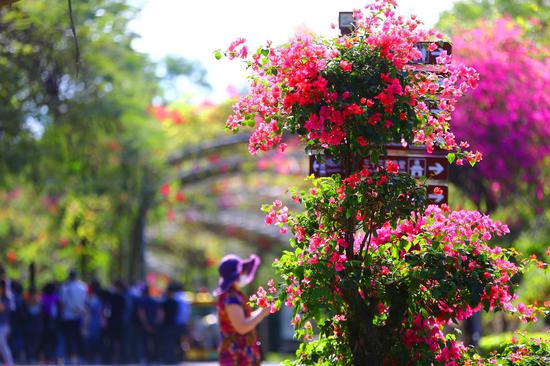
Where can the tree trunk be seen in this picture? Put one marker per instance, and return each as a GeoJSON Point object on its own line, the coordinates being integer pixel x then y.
{"type": "Point", "coordinates": [137, 242]}
{"type": "Point", "coordinates": [371, 344]}
{"type": "Point", "coordinates": [7, 2]}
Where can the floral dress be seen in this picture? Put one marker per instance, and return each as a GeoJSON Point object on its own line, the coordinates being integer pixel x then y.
{"type": "Point", "coordinates": [236, 349]}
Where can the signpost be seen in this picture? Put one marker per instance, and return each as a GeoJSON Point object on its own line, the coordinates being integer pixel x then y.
{"type": "Point", "coordinates": [414, 160]}
{"type": "Point", "coordinates": [420, 165]}
{"type": "Point", "coordinates": [325, 168]}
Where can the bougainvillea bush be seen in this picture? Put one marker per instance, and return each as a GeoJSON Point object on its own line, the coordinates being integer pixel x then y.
{"type": "Point", "coordinates": [373, 275]}
{"type": "Point", "coordinates": [352, 95]}
{"type": "Point", "coordinates": [509, 111]}
{"type": "Point", "coordinates": [526, 352]}
{"type": "Point", "coordinates": [387, 295]}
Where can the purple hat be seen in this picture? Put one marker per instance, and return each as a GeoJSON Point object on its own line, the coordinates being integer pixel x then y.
{"type": "Point", "coordinates": [231, 267]}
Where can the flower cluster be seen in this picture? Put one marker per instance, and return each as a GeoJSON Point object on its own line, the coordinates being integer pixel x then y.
{"type": "Point", "coordinates": [345, 91]}
{"type": "Point", "coordinates": [264, 299]}
{"type": "Point", "coordinates": [169, 200]}
{"type": "Point", "coordinates": [438, 263]}
{"type": "Point", "coordinates": [162, 113]}
{"type": "Point", "coordinates": [524, 352]}
{"type": "Point", "coordinates": [508, 111]}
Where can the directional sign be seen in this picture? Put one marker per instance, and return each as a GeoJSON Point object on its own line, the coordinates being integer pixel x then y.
{"type": "Point", "coordinates": [438, 194]}
{"type": "Point", "coordinates": [438, 167]}
{"type": "Point", "coordinates": [401, 161]}
{"type": "Point", "coordinates": [418, 165]}
{"type": "Point", "coordinates": [324, 168]}
{"type": "Point", "coordinates": [414, 148]}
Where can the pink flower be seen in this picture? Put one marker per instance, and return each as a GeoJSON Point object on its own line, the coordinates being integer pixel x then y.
{"type": "Point", "coordinates": [313, 260]}
{"type": "Point", "coordinates": [362, 141]}
{"type": "Point", "coordinates": [180, 197]}
{"type": "Point", "coordinates": [392, 167]}
{"type": "Point", "coordinates": [165, 189]}
{"type": "Point", "coordinates": [346, 66]}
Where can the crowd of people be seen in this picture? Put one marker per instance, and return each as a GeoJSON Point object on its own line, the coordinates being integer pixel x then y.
{"type": "Point", "coordinates": [75, 322]}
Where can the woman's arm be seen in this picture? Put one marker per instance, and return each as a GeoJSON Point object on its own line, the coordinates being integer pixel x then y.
{"type": "Point", "coordinates": [241, 323]}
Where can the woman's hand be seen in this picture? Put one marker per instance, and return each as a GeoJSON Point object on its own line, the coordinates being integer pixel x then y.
{"type": "Point", "coordinates": [240, 322]}
{"type": "Point", "coordinates": [265, 312]}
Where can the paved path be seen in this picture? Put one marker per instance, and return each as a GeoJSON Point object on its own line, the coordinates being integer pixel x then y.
{"type": "Point", "coordinates": [181, 364]}
{"type": "Point", "coordinates": [217, 364]}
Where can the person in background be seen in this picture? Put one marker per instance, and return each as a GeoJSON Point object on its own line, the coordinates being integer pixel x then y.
{"type": "Point", "coordinates": [33, 326]}
{"type": "Point", "coordinates": [4, 277]}
{"type": "Point", "coordinates": [18, 319]}
{"type": "Point", "coordinates": [171, 346]}
{"type": "Point", "coordinates": [239, 344]}
{"type": "Point", "coordinates": [5, 324]}
{"type": "Point", "coordinates": [116, 302]}
{"type": "Point", "coordinates": [133, 347]}
{"type": "Point", "coordinates": [182, 319]}
{"type": "Point", "coordinates": [93, 322]}
{"type": "Point", "coordinates": [149, 315]}
{"type": "Point", "coordinates": [50, 312]}
{"type": "Point", "coordinates": [73, 296]}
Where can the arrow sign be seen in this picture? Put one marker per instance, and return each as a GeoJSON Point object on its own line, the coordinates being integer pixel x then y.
{"type": "Point", "coordinates": [438, 194]}
{"type": "Point", "coordinates": [436, 169]}
{"type": "Point", "coordinates": [436, 197]}
{"type": "Point", "coordinates": [316, 166]}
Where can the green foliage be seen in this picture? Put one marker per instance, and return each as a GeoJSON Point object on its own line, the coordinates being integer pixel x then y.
{"type": "Point", "coordinates": [392, 279]}
{"type": "Point", "coordinates": [528, 352]}
{"type": "Point", "coordinates": [176, 67]}
{"type": "Point", "coordinates": [85, 141]}
{"type": "Point", "coordinates": [533, 15]}
{"type": "Point", "coordinates": [498, 342]}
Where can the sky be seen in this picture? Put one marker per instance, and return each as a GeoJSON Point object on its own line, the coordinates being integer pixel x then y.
{"type": "Point", "coordinates": [193, 29]}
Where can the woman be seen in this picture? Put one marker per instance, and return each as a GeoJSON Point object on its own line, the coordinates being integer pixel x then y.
{"type": "Point", "coordinates": [5, 324]}
{"type": "Point", "coordinates": [239, 344]}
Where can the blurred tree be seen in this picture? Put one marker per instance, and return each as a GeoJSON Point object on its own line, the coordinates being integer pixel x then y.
{"type": "Point", "coordinates": [213, 193]}
{"type": "Point", "coordinates": [84, 139]}
{"type": "Point", "coordinates": [532, 15]}
{"type": "Point", "coordinates": [7, 2]}
{"type": "Point", "coordinates": [506, 116]}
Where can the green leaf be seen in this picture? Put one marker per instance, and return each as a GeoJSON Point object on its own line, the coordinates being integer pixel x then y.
{"type": "Point", "coordinates": [218, 54]}
{"type": "Point", "coordinates": [395, 252]}
{"type": "Point", "coordinates": [451, 157]}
